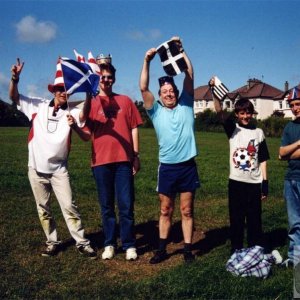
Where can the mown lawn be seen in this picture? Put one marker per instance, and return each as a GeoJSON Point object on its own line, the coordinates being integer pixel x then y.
{"type": "Point", "coordinates": [24, 274]}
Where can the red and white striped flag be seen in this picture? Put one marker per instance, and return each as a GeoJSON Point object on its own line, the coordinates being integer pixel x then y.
{"type": "Point", "coordinates": [92, 63]}
{"type": "Point", "coordinates": [78, 56]}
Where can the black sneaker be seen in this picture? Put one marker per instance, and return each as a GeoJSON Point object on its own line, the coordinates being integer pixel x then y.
{"type": "Point", "coordinates": [87, 251]}
{"type": "Point", "coordinates": [159, 256]}
{"type": "Point", "coordinates": [188, 256]}
{"type": "Point", "coordinates": [51, 250]}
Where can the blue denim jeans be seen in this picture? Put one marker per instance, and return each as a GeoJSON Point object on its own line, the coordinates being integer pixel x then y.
{"type": "Point", "coordinates": [292, 198]}
{"type": "Point", "coordinates": [115, 180]}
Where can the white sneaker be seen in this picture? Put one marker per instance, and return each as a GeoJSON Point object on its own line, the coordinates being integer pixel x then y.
{"type": "Point", "coordinates": [108, 253]}
{"type": "Point", "coordinates": [277, 256]}
{"type": "Point", "coordinates": [131, 254]}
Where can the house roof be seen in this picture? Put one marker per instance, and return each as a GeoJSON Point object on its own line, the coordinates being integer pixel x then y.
{"type": "Point", "coordinates": [203, 93]}
{"type": "Point", "coordinates": [255, 89]}
{"type": "Point", "coordinates": [282, 95]}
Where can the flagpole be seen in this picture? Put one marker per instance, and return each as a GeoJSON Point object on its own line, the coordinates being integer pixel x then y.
{"type": "Point", "coordinates": [62, 72]}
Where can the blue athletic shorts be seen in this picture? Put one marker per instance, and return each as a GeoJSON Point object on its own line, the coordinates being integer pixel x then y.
{"type": "Point", "coordinates": [177, 178]}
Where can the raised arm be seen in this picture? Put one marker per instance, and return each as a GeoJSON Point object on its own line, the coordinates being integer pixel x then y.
{"type": "Point", "coordinates": [188, 83]}
{"type": "Point", "coordinates": [15, 77]}
{"type": "Point", "coordinates": [144, 79]}
{"type": "Point", "coordinates": [86, 108]}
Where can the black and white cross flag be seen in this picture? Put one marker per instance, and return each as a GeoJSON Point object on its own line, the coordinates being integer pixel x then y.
{"type": "Point", "coordinates": [171, 58]}
{"type": "Point", "coordinates": [219, 89]}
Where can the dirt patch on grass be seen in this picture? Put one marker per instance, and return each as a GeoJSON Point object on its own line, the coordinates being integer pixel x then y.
{"type": "Point", "coordinates": [119, 268]}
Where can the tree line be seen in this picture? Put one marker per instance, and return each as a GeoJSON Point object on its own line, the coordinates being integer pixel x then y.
{"type": "Point", "coordinates": [208, 120]}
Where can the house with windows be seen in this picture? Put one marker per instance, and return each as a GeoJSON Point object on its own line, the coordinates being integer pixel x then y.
{"type": "Point", "coordinates": [265, 98]}
{"type": "Point", "coordinates": [281, 103]}
{"type": "Point", "coordinates": [203, 99]}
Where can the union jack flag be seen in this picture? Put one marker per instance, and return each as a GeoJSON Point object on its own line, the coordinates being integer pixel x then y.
{"type": "Point", "coordinates": [293, 94]}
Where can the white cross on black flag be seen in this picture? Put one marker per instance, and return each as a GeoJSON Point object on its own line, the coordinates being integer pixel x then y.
{"type": "Point", "coordinates": [172, 60]}
{"type": "Point", "coordinates": [219, 89]}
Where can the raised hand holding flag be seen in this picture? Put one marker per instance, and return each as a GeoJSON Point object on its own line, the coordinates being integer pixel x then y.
{"type": "Point", "coordinates": [218, 88]}
{"type": "Point", "coordinates": [171, 58]}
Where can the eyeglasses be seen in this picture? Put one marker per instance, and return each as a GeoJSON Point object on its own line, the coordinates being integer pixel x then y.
{"type": "Point", "coordinates": [59, 89]}
{"type": "Point", "coordinates": [108, 77]}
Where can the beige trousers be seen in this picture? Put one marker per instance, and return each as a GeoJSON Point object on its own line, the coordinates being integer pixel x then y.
{"type": "Point", "coordinates": [42, 185]}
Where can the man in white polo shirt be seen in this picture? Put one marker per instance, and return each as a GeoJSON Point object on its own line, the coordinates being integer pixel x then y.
{"type": "Point", "coordinates": [49, 145]}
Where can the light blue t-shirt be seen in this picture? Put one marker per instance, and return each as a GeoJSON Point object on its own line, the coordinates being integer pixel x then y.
{"type": "Point", "coordinates": [175, 130]}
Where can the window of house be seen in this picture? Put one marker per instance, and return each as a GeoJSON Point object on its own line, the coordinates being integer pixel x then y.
{"type": "Point", "coordinates": [206, 103]}
{"type": "Point", "coordinates": [280, 104]}
{"type": "Point", "coordinates": [286, 104]}
{"type": "Point", "coordinates": [226, 104]}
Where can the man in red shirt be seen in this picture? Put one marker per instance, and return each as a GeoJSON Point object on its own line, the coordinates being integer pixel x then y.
{"type": "Point", "coordinates": [113, 121]}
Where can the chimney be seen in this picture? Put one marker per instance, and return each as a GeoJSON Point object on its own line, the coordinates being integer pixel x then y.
{"type": "Point", "coordinates": [286, 86]}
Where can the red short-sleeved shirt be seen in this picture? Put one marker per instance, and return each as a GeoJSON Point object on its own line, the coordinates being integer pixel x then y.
{"type": "Point", "coordinates": [111, 121]}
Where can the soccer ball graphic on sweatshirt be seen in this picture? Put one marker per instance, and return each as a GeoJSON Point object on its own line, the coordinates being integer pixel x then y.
{"type": "Point", "coordinates": [242, 159]}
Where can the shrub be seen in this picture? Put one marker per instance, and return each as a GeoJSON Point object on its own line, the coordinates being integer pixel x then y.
{"type": "Point", "coordinates": [273, 126]}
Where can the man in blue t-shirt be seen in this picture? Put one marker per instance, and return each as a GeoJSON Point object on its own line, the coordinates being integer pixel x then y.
{"type": "Point", "coordinates": [173, 119]}
{"type": "Point", "coordinates": [290, 150]}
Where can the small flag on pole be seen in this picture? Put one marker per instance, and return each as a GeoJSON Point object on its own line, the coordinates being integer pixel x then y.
{"type": "Point", "coordinates": [79, 77]}
{"type": "Point", "coordinates": [92, 63]}
{"type": "Point", "coordinates": [171, 58]}
{"type": "Point", "coordinates": [219, 89]}
{"type": "Point", "coordinates": [78, 56]}
{"type": "Point", "coordinates": [75, 77]}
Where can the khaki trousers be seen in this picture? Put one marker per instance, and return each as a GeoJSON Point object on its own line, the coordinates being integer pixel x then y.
{"type": "Point", "coordinates": [42, 185]}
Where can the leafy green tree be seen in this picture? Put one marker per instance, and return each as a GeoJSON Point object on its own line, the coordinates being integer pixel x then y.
{"type": "Point", "coordinates": [10, 116]}
{"type": "Point", "coordinates": [146, 120]}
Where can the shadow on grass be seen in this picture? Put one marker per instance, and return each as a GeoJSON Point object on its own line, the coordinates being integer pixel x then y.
{"type": "Point", "coordinates": [147, 236]}
{"type": "Point", "coordinates": [96, 239]}
{"type": "Point", "coordinates": [148, 239]}
{"type": "Point", "coordinates": [213, 238]}
{"type": "Point", "coordinates": [275, 238]}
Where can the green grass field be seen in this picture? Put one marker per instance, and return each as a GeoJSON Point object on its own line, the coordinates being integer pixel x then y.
{"type": "Point", "coordinates": [25, 274]}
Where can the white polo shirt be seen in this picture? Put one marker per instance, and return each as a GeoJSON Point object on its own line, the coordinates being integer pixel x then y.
{"type": "Point", "coordinates": [49, 138]}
